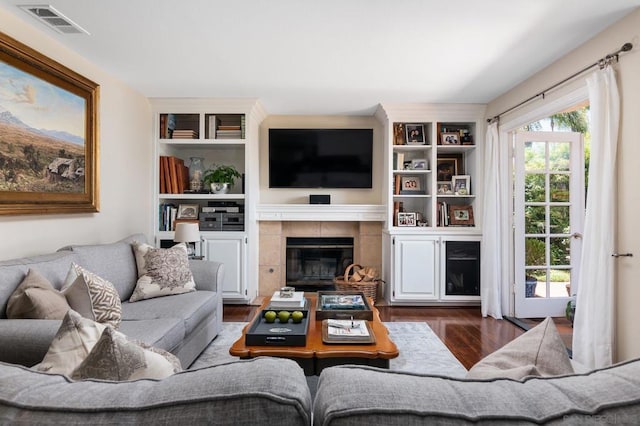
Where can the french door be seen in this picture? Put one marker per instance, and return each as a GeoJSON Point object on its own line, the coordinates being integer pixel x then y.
{"type": "Point", "coordinates": [549, 213]}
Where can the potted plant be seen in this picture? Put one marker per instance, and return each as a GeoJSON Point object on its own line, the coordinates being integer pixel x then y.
{"type": "Point", "coordinates": [220, 178]}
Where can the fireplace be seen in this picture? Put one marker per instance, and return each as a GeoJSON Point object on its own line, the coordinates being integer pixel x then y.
{"type": "Point", "coordinates": [313, 262]}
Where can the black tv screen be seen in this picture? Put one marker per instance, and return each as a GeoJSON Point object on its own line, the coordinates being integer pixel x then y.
{"type": "Point", "coordinates": [320, 158]}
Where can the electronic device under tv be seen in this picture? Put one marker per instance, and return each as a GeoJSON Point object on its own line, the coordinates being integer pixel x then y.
{"type": "Point", "coordinates": [320, 158]}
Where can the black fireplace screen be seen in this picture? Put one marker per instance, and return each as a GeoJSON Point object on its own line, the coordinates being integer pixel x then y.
{"type": "Point", "coordinates": [312, 263]}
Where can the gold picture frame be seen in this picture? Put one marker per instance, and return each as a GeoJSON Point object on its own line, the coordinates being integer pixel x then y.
{"type": "Point", "coordinates": [49, 150]}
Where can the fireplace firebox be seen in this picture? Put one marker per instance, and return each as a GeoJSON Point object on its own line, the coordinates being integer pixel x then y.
{"type": "Point", "coordinates": [313, 262]}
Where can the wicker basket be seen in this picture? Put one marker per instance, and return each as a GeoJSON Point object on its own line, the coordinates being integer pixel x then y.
{"type": "Point", "coordinates": [346, 283]}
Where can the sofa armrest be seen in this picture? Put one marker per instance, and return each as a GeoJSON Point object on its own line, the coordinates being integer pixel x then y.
{"type": "Point", "coordinates": [207, 274]}
{"type": "Point", "coordinates": [258, 391]}
{"type": "Point", "coordinates": [26, 341]}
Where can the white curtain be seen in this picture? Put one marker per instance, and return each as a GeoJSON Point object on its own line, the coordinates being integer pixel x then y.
{"type": "Point", "coordinates": [593, 333]}
{"type": "Point", "coordinates": [494, 258]}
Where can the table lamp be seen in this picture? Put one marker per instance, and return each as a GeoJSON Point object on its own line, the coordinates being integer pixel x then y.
{"type": "Point", "coordinates": [188, 233]}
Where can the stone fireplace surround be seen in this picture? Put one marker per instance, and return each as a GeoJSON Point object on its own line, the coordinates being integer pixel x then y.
{"type": "Point", "coordinates": [367, 245]}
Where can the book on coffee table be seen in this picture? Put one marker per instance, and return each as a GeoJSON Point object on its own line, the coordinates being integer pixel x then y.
{"type": "Point", "coordinates": [297, 300]}
{"type": "Point", "coordinates": [347, 331]}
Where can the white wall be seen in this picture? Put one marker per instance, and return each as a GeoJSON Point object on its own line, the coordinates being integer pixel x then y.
{"type": "Point", "coordinates": [338, 196]}
{"type": "Point", "coordinates": [628, 70]}
{"type": "Point", "coordinates": [125, 163]}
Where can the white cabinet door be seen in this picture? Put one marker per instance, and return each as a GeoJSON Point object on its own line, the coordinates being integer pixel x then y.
{"type": "Point", "coordinates": [415, 268]}
{"type": "Point", "coordinates": [231, 251]}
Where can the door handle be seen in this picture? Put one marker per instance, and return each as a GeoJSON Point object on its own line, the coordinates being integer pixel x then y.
{"type": "Point", "coordinates": [576, 235]}
{"type": "Point", "coordinates": [622, 255]}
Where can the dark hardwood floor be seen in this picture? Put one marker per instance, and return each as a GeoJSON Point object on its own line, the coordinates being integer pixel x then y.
{"type": "Point", "coordinates": [463, 330]}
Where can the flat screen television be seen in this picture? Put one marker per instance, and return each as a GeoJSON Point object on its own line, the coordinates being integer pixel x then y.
{"type": "Point", "coordinates": [320, 158]}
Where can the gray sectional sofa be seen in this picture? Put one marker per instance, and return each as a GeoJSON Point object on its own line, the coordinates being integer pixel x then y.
{"type": "Point", "coordinates": [182, 324]}
{"type": "Point", "coordinates": [265, 390]}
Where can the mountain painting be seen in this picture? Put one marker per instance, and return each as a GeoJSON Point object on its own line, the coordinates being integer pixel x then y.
{"type": "Point", "coordinates": [42, 135]}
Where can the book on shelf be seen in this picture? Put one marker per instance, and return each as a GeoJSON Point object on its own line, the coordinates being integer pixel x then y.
{"type": "Point", "coordinates": [167, 125]}
{"type": "Point", "coordinates": [185, 134]}
{"type": "Point", "coordinates": [167, 218]}
{"type": "Point", "coordinates": [297, 300]}
{"type": "Point", "coordinates": [398, 163]}
{"type": "Point", "coordinates": [174, 175]}
{"type": "Point", "coordinates": [211, 126]}
{"type": "Point", "coordinates": [396, 184]}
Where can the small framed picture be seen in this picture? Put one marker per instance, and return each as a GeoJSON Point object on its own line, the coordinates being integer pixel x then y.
{"type": "Point", "coordinates": [450, 138]}
{"type": "Point", "coordinates": [188, 211]}
{"type": "Point", "coordinates": [414, 134]}
{"type": "Point", "coordinates": [445, 188]}
{"type": "Point", "coordinates": [461, 184]}
{"type": "Point", "coordinates": [406, 165]}
{"type": "Point", "coordinates": [410, 184]}
{"type": "Point", "coordinates": [406, 219]}
{"type": "Point", "coordinates": [449, 166]}
{"type": "Point", "coordinates": [419, 164]}
{"type": "Point", "coordinates": [461, 215]}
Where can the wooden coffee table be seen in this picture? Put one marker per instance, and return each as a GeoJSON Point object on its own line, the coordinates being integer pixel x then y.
{"type": "Point", "coordinates": [317, 355]}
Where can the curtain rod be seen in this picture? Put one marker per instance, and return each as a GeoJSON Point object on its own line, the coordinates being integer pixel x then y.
{"type": "Point", "coordinates": [601, 63]}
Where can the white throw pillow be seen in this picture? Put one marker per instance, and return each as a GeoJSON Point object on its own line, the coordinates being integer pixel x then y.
{"type": "Point", "coordinates": [92, 297]}
{"type": "Point", "coordinates": [161, 272]}
{"type": "Point", "coordinates": [72, 343]}
{"type": "Point", "coordinates": [114, 357]}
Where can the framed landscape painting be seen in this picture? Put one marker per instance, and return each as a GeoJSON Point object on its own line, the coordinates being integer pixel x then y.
{"type": "Point", "coordinates": [48, 135]}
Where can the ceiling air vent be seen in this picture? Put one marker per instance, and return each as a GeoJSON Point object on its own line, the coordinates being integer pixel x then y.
{"type": "Point", "coordinates": [48, 15]}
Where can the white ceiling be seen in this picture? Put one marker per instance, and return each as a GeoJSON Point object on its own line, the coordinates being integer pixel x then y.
{"type": "Point", "coordinates": [329, 56]}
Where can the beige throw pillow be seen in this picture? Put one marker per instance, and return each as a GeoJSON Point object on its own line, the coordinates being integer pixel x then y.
{"type": "Point", "coordinates": [114, 357]}
{"type": "Point", "coordinates": [35, 298]}
{"type": "Point", "coordinates": [72, 343]}
{"type": "Point", "coordinates": [92, 297]}
{"type": "Point", "coordinates": [538, 352]}
{"type": "Point", "coordinates": [161, 272]}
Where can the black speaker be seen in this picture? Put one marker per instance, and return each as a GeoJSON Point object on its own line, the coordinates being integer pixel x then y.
{"type": "Point", "coordinates": [319, 199]}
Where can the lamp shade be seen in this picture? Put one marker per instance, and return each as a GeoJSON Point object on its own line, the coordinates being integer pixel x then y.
{"type": "Point", "coordinates": [187, 233]}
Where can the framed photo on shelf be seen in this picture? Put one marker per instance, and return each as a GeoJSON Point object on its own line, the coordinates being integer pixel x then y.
{"type": "Point", "coordinates": [461, 184]}
{"type": "Point", "coordinates": [450, 138]}
{"type": "Point", "coordinates": [419, 164]}
{"type": "Point", "coordinates": [449, 166]}
{"type": "Point", "coordinates": [461, 215]}
{"type": "Point", "coordinates": [188, 211]}
{"type": "Point", "coordinates": [406, 219]}
{"type": "Point", "coordinates": [414, 134]}
{"type": "Point", "coordinates": [445, 188]}
{"type": "Point", "coordinates": [410, 184]}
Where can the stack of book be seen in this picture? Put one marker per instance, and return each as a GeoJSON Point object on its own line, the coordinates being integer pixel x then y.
{"type": "Point", "coordinates": [229, 132]}
{"type": "Point", "coordinates": [184, 134]}
{"type": "Point", "coordinates": [297, 301]}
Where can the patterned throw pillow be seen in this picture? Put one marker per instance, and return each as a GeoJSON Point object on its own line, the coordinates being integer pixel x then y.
{"type": "Point", "coordinates": [35, 298]}
{"type": "Point", "coordinates": [72, 343]}
{"type": "Point", "coordinates": [114, 357]}
{"type": "Point", "coordinates": [161, 272]}
{"type": "Point", "coordinates": [92, 297]}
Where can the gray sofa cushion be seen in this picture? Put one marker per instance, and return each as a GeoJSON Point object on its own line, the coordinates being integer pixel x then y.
{"type": "Point", "coordinates": [53, 267]}
{"type": "Point", "coordinates": [163, 333]}
{"type": "Point", "coordinates": [367, 396]}
{"type": "Point", "coordinates": [26, 341]}
{"type": "Point", "coordinates": [101, 258]}
{"type": "Point", "coordinates": [192, 307]}
{"type": "Point", "coordinates": [258, 391]}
